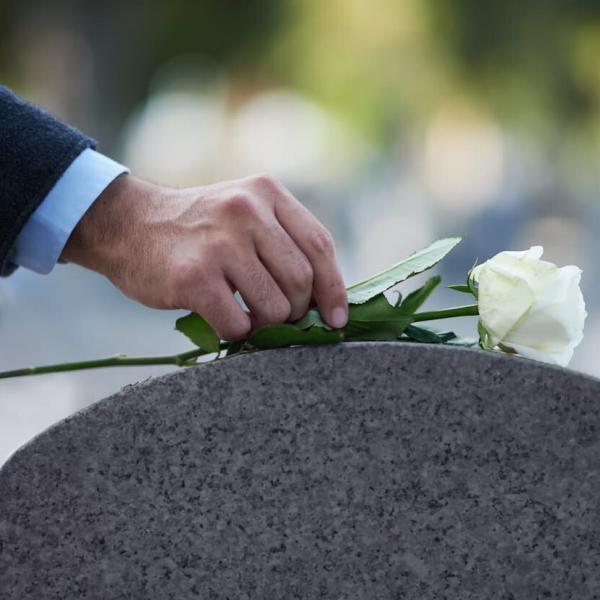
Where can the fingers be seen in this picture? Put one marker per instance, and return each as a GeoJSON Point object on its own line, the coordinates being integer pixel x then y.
{"type": "Point", "coordinates": [216, 304]}
{"type": "Point", "coordinates": [255, 237]}
{"type": "Point", "coordinates": [259, 290]}
{"type": "Point", "coordinates": [288, 266]}
{"type": "Point", "coordinates": [317, 245]}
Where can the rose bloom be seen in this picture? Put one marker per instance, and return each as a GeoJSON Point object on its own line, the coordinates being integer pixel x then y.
{"type": "Point", "coordinates": [530, 306]}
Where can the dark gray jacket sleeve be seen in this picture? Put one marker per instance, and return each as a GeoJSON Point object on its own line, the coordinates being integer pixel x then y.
{"type": "Point", "coordinates": [35, 150]}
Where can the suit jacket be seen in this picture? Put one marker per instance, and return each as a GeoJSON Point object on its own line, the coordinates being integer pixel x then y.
{"type": "Point", "coordinates": [35, 150]}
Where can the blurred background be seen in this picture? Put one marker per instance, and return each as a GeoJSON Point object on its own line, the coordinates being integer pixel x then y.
{"type": "Point", "coordinates": [395, 121]}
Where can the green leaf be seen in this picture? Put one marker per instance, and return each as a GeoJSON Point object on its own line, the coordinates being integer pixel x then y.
{"type": "Point", "coordinates": [472, 284]}
{"type": "Point", "coordinates": [376, 319]}
{"type": "Point", "coordinates": [280, 336]}
{"type": "Point", "coordinates": [377, 308]}
{"type": "Point", "coordinates": [460, 287]}
{"type": "Point", "coordinates": [414, 264]}
{"type": "Point", "coordinates": [428, 335]}
{"type": "Point", "coordinates": [235, 347]}
{"type": "Point", "coordinates": [415, 299]}
{"type": "Point", "coordinates": [311, 319]}
{"type": "Point", "coordinates": [199, 332]}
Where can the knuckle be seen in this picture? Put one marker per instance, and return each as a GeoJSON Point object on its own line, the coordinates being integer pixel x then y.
{"type": "Point", "coordinates": [321, 241]}
{"type": "Point", "coordinates": [259, 281]}
{"type": "Point", "coordinates": [302, 276]}
{"type": "Point", "coordinates": [279, 310]}
{"type": "Point", "coordinates": [240, 204]}
{"type": "Point", "coordinates": [265, 181]}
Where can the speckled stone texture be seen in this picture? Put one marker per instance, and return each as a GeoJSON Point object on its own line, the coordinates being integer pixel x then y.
{"type": "Point", "coordinates": [358, 471]}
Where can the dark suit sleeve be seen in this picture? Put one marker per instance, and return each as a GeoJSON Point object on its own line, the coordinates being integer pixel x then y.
{"type": "Point", "coordinates": [35, 150]}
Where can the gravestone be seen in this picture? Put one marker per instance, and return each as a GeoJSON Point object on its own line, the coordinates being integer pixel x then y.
{"type": "Point", "coordinates": [375, 471]}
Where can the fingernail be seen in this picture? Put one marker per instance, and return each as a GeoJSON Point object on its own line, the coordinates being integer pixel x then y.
{"type": "Point", "coordinates": [339, 317]}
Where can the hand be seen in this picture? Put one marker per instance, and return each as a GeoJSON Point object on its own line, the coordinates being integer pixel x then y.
{"type": "Point", "coordinates": [193, 248]}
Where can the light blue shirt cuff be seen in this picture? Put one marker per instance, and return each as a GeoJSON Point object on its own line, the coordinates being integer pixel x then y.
{"type": "Point", "coordinates": [42, 240]}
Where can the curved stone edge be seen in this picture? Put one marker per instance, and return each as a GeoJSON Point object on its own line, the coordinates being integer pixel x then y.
{"type": "Point", "coordinates": [442, 350]}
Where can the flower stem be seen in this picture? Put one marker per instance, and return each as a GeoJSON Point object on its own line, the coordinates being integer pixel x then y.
{"type": "Point", "coordinates": [189, 358]}
{"type": "Point", "coordinates": [181, 360]}
{"type": "Point", "coordinates": [460, 311]}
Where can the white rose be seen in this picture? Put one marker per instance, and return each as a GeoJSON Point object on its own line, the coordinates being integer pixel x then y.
{"type": "Point", "coordinates": [530, 306]}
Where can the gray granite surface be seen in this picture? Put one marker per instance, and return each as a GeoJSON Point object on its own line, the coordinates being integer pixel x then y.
{"type": "Point", "coordinates": [358, 471]}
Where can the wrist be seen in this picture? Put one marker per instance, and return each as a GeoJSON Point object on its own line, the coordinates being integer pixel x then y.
{"type": "Point", "coordinates": [99, 240]}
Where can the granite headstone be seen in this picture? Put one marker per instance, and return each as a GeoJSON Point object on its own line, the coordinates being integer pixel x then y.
{"type": "Point", "coordinates": [355, 471]}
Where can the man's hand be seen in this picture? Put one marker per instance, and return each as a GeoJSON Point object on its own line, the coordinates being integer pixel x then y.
{"type": "Point", "coordinates": [193, 248]}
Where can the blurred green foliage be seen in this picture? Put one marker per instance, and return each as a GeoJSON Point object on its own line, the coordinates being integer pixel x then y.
{"type": "Point", "coordinates": [380, 64]}
{"type": "Point", "coordinates": [548, 48]}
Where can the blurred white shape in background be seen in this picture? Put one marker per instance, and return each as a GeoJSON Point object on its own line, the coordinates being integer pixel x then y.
{"type": "Point", "coordinates": [390, 225]}
{"type": "Point", "coordinates": [174, 137]}
{"type": "Point", "coordinates": [463, 159]}
{"type": "Point", "coordinates": [293, 138]}
{"type": "Point", "coordinates": [564, 239]}
{"type": "Point", "coordinates": [190, 132]}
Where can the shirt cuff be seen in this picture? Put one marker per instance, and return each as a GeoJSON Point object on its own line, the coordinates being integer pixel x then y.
{"type": "Point", "coordinates": [42, 240]}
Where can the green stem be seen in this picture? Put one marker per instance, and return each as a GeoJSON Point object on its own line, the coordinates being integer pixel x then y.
{"type": "Point", "coordinates": [181, 360]}
{"type": "Point", "coordinates": [188, 358]}
{"type": "Point", "coordinates": [469, 310]}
